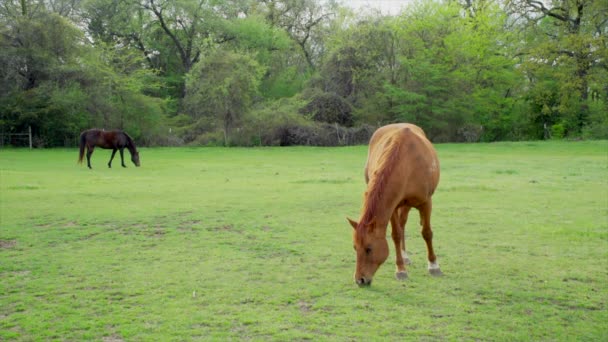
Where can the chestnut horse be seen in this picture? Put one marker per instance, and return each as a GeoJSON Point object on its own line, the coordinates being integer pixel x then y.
{"type": "Point", "coordinates": [115, 140]}
{"type": "Point", "coordinates": [401, 173]}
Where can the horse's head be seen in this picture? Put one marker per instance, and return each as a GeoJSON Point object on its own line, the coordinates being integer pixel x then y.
{"type": "Point", "coordinates": [135, 158]}
{"type": "Point", "coordinates": [371, 248]}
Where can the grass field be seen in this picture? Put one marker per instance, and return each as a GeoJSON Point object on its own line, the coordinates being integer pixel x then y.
{"type": "Point", "coordinates": [252, 244]}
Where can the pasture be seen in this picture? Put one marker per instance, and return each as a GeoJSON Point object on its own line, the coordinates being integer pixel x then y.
{"type": "Point", "coordinates": [253, 244]}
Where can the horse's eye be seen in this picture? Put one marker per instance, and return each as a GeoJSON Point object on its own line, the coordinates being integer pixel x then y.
{"type": "Point", "coordinates": [368, 250]}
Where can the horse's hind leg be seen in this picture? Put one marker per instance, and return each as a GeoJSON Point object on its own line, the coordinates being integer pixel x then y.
{"type": "Point", "coordinates": [89, 153]}
{"type": "Point", "coordinates": [111, 158]}
{"type": "Point", "coordinates": [427, 234]}
{"type": "Point", "coordinates": [398, 220]}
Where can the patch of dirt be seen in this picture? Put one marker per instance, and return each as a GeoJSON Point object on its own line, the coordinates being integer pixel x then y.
{"type": "Point", "coordinates": [8, 243]}
{"type": "Point", "coordinates": [159, 232]}
{"type": "Point", "coordinates": [224, 228]}
{"type": "Point", "coordinates": [185, 213]}
{"type": "Point", "coordinates": [305, 306]}
{"type": "Point", "coordinates": [188, 225]}
{"type": "Point", "coordinates": [89, 236]}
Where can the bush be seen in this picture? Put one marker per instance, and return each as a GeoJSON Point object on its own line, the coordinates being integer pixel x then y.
{"type": "Point", "coordinates": [277, 124]}
{"type": "Point", "coordinates": [215, 138]}
{"type": "Point", "coordinates": [597, 127]}
{"type": "Point", "coordinates": [469, 133]}
{"type": "Point", "coordinates": [323, 135]}
{"type": "Point", "coordinates": [558, 131]}
{"type": "Point", "coordinates": [329, 108]}
{"type": "Point", "coordinates": [259, 126]}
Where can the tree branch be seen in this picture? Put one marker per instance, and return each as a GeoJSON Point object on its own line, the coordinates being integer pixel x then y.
{"type": "Point", "coordinates": [158, 12]}
{"type": "Point", "coordinates": [539, 5]}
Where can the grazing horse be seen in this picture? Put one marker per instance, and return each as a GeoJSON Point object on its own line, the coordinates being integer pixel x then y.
{"type": "Point", "coordinates": [115, 140]}
{"type": "Point", "coordinates": [401, 173]}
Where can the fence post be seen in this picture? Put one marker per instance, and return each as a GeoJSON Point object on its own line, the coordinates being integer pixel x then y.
{"type": "Point", "coordinates": [29, 134]}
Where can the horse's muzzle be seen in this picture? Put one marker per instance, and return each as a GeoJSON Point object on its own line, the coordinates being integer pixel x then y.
{"type": "Point", "coordinates": [363, 282]}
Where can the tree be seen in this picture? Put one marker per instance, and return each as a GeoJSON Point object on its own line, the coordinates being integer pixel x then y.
{"type": "Point", "coordinates": [40, 74]}
{"type": "Point", "coordinates": [221, 87]}
{"type": "Point", "coordinates": [358, 61]}
{"type": "Point", "coordinates": [272, 48]}
{"type": "Point", "coordinates": [566, 44]}
{"type": "Point", "coordinates": [304, 21]}
{"type": "Point", "coordinates": [58, 83]}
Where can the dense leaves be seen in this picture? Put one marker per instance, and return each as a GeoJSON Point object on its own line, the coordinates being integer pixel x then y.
{"type": "Point", "coordinates": [312, 72]}
{"type": "Point", "coordinates": [221, 88]}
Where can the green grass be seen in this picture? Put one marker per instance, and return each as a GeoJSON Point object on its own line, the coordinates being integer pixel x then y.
{"type": "Point", "coordinates": [252, 244]}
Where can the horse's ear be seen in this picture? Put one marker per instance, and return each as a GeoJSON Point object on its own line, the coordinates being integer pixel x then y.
{"type": "Point", "coordinates": [352, 223]}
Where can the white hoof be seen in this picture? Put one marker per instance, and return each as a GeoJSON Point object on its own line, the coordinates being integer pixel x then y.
{"type": "Point", "coordinates": [434, 269]}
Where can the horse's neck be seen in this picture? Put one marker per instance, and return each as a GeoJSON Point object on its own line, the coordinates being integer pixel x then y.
{"type": "Point", "coordinates": [130, 146]}
{"type": "Point", "coordinates": [378, 203]}
{"type": "Point", "coordinates": [380, 212]}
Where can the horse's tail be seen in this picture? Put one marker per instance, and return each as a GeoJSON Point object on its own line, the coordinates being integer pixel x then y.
{"type": "Point", "coordinates": [82, 143]}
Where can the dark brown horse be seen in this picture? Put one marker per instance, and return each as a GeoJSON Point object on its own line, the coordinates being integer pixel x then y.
{"type": "Point", "coordinates": [402, 172]}
{"type": "Point", "coordinates": [115, 140]}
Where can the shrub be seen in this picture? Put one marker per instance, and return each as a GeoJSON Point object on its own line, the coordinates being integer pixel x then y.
{"type": "Point", "coordinates": [329, 108]}
{"type": "Point", "coordinates": [558, 131]}
{"type": "Point", "coordinates": [323, 135]}
{"type": "Point", "coordinates": [597, 127]}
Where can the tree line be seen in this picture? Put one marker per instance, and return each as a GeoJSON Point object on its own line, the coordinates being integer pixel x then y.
{"type": "Point", "coordinates": [314, 72]}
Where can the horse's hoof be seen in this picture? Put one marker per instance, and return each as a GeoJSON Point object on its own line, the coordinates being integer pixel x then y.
{"type": "Point", "coordinates": [401, 275]}
{"type": "Point", "coordinates": [436, 272]}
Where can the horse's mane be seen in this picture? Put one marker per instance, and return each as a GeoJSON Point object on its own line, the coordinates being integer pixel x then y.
{"type": "Point", "coordinates": [130, 143]}
{"type": "Point", "coordinates": [378, 181]}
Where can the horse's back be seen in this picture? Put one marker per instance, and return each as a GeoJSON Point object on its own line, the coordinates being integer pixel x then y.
{"type": "Point", "coordinates": [387, 130]}
{"type": "Point", "coordinates": [104, 139]}
{"type": "Point", "coordinates": [415, 167]}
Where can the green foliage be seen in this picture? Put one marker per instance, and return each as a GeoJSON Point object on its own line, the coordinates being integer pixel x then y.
{"type": "Point", "coordinates": [449, 73]}
{"type": "Point", "coordinates": [42, 79]}
{"type": "Point", "coordinates": [283, 82]}
{"type": "Point", "coordinates": [70, 85]}
{"type": "Point", "coordinates": [558, 131]}
{"type": "Point", "coordinates": [222, 87]}
{"type": "Point", "coordinates": [463, 70]}
{"type": "Point", "coordinates": [329, 108]}
{"type": "Point", "coordinates": [454, 74]}
{"type": "Point", "coordinates": [565, 51]}
{"type": "Point", "coordinates": [597, 126]}
{"type": "Point", "coordinates": [272, 48]}
{"type": "Point", "coordinates": [262, 125]}
{"type": "Point", "coordinates": [253, 33]}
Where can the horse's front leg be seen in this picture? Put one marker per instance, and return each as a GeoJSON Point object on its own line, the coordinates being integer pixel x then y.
{"type": "Point", "coordinates": [122, 158]}
{"type": "Point", "coordinates": [398, 220]}
{"type": "Point", "coordinates": [427, 234]}
{"type": "Point", "coordinates": [111, 158]}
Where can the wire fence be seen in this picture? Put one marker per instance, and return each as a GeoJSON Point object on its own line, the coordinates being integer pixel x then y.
{"type": "Point", "coordinates": [17, 139]}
